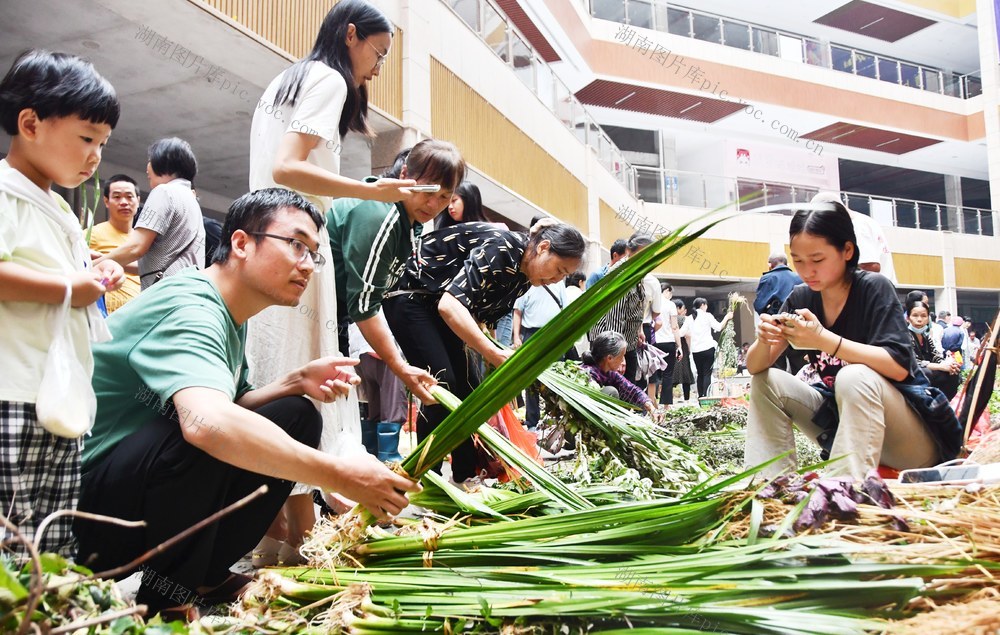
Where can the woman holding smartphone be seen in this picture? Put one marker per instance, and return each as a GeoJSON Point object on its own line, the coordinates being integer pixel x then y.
{"type": "Point", "coordinates": [295, 142]}
{"type": "Point", "coordinates": [873, 405]}
{"type": "Point", "coordinates": [371, 241]}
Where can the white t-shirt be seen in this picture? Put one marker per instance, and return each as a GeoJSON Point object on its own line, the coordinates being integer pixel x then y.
{"type": "Point", "coordinates": [317, 112]}
{"type": "Point", "coordinates": [29, 238]}
{"type": "Point", "coordinates": [665, 334]}
{"type": "Point", "coordinates": [654, 298]}
{"type": "Point", "coordinates": [872, 245]}
{"type": "Point", "coordinates": [701, 331]}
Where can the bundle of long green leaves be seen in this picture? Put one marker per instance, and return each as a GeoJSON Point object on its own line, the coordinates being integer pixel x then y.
{"type": "Point", "coordinates": [67, 599]}
{"type": "Point", "coordinates": [814, 585]}
{"type": "Point", "coordinates": [614, 443]}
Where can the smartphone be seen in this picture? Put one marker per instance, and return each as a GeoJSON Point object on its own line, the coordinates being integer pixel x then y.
{"type": "Point", "coordinates": [953, 474]}
{"type": "Point", "coordinates": [423, 188]}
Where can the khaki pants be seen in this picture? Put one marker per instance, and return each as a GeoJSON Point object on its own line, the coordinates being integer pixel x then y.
{"type": "Point", "coordinates": [877, 426]}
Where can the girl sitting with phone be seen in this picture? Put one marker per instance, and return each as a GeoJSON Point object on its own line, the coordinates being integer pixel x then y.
{"type": "Point", "coordinates": [873, 404]}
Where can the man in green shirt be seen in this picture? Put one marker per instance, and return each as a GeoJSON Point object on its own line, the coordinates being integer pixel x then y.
{"type": "Point", "coordinates": [180, 434]}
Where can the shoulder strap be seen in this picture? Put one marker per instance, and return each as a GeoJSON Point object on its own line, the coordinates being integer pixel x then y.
{"type": "Point", "coordinates": [553, 296]}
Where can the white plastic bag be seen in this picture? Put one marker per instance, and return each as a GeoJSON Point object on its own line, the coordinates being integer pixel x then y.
{"type": "Point", "coordinates": [66, 404]}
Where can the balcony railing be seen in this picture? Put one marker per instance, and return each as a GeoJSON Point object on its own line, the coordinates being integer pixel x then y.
{"type": "Point", "coordinates": [660, 15]}
{"type": "Point", "coordinates": [693, 189]}
{"type": "Point", "coordinates": [492, 26]}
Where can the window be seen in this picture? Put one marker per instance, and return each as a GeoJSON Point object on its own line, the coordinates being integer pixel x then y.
{"type": "Point", "coordinates": [841, 59]}
{"type": "Point", "coordinates": [970, 220]}
{"type": "Point", "coordinates": [736, 35]}
{"type": "Point", "coordinates": [906, 214]}
{"type": "Point", "coordinates": [523, 63]}
{"type": "Point", "coordinates": [495, 31]}
{"type": "Point", "coordinates": [613, 10]}
{"type": "Point", "coordinates": [932, 80]}
{"type": "Point", "coordinates": [973, 86]}
{"type": "Point", "coordinates": [909, 75]}
{"type": "Point", "coordinates": [888, 70]}
{"type": "Point", "coordinates": [765, 42]}
{"type": "Point", "coordinates": [814, 53]}
{"type": "Point", "coordinates": [864, 64]}
{"type": "Point", "coordinates": [859, 203]}
{"type": "Point", "coordinates": [650, 185]}
{"type": "Point", "coordinates": [927, 213]}
{"type": "Point", "coordinates": [751, 194]}
{"type": "Point", "coordinates": [468, 10]}
{"type": "Point", "coordinates": [679, 22]}
{"type": "Point", "coordinates": [707, 28]}
{"type": "Point", "coordinates": [640, 13]}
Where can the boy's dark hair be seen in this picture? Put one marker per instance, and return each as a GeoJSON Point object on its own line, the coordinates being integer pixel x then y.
{"type": "Point", "coordinates": [173, 156]}
{"type": "Point", "coordinates": [119, 178]}
{"type": "Point", "coordinates": [253, 213]}
{"type": "Point", "coordinates": [666, 286]}
{"type": "Point", "coordinates": [331, 49]}
{"type": "Point", "coordinates": [56, 85]}
{"type": "Point", "coordinates": [619, 247]}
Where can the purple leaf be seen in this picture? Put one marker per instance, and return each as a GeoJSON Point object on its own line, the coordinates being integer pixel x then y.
{"type": "Point", "coordinates": [877, 491]}
{"type": "Point", "coordinates": [843, 505]}
{"type": "Point", "coordinates": [814, 514]}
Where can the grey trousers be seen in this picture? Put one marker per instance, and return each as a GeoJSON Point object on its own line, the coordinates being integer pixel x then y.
{"type": "Point", "coordinates": [877, 426]}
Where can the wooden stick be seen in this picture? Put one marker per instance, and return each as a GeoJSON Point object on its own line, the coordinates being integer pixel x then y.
{"type": "Point", "coordinates": [139, 609]}
{"type": "Point", "coordinates": [86, 515]}
{"type": "Point", "coordinates": [35, 596]}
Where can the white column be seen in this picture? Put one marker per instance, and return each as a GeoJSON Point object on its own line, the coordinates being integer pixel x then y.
{"type": "Point", "coordinates": [947, 297]}
{"type": "Point", "coordinates": [988, 62]}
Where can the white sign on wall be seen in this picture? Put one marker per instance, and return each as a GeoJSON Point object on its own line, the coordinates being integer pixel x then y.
{"type": "Point", "coordinates": [755, 161]}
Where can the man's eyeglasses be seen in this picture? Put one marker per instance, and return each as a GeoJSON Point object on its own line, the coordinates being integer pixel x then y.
{"type": "Point", "coordinates": [381, 56]}
{"type": "Point", "coordinates": [299, 248]}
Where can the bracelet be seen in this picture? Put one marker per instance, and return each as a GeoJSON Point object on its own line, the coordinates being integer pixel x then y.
{"type": "Point", "coordinates": [834, 353]}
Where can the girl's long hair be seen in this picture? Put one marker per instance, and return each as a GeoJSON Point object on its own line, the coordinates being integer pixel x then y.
{"type": "Point", "coordinates": [331, 49]}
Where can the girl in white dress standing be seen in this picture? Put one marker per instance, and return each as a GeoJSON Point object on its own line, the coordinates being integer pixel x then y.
{"type": "Point", "coordinates": [295, 142]}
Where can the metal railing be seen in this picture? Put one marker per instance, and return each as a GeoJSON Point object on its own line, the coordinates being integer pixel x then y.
{"type": "Point", "coordinates": [692, 189]}
{"type": "Point", "coordinates": [659, 15]}
{"type": "Point", "coordinates": [490, 23]}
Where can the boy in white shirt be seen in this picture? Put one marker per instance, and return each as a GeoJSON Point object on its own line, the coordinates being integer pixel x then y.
{"type": "Point", "coordinates": [59, 113]}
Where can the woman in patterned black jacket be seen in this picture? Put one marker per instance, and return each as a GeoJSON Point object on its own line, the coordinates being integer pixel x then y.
{"type": "Point", "coordinates": [462, 276]}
